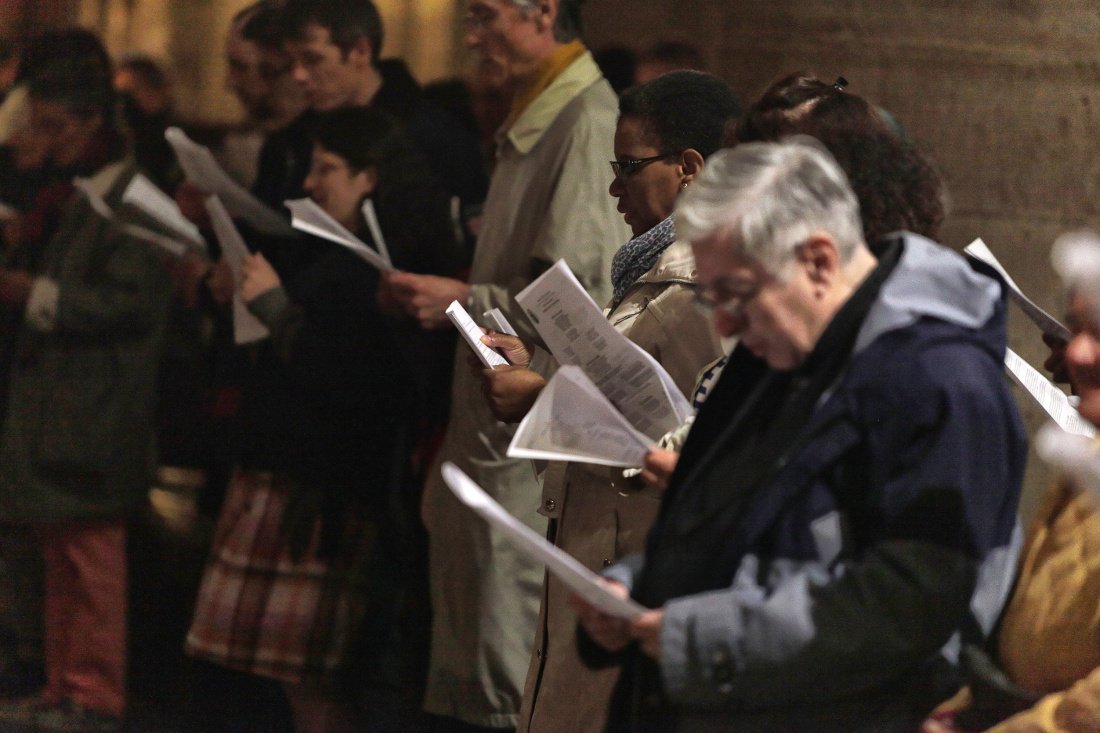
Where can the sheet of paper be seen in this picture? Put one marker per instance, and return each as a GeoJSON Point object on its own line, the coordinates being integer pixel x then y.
{"type": "Point", "coordinates": [1053, 401]}
{"type": "Point", "coordinates": [499, 322]}
{"type": "Point", "coordinates": [375, 229]}
{"type": "Point", "coordinates": [247, 328]}
{"type": "Point", "coordinates": [566, 568]}
{"type": "Point", "coordinates": [472, 333]}
{"type": "Point", "coordinates": [577, 333]}
{"type": "Point", "coordinates": [144, 195]}
{"type": "Point", "coordinates": [572, 421]}
{"type": "Point", "coordinates": [1074, 455]}
{"type": "Point", "coordinates": [1046, 322]}
{"type": "Point", "coordinates": [96, 201]}
{"type": "Point", "coordinates": [169, 245]}
{"type": "Point", "coordinates": [307, 216]}
{"type": "Point", "coordinates": [202, 169]}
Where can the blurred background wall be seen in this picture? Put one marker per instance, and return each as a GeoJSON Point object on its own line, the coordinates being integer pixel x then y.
{"type": "Point", "coordinates": [1004, 94]}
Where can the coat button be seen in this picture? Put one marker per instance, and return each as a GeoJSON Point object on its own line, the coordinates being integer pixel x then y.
{"type": "Point", "coordinates": [538, 653]}
{"type": "Point", "coordinates": [550, 505]}
{"type": "Point", "coordinates": [606, 562]}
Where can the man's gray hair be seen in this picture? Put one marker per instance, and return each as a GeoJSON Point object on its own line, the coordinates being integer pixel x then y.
{"type": "Point", "coordinates": [568, 26]}
{"type": "Point", "coordinates": [772, 196]}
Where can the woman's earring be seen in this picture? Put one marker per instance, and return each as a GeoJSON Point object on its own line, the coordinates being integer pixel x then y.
{"type": "Point", "coordinates": [683, 185]}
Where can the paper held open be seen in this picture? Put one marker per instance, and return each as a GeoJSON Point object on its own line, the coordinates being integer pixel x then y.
{"type": "Point", "coordinates": [572, 421]}
{"type": "Point", "coordinates": [247, 328]}
{"type": "Point", "coordinates": [170, 244]}
{"type": "Point", "coordinates": [578, 334]}
{"type": "Point", "coordinates": [566, 568]}
{"type": "Point", "coordinates": [144, 195]}
{"type": "Point", "coordinates": [202, 169]}
{"type": "Point", "coordinates": [1053, 401]}
{"type": "Point", "coordinates": [307, 216]}
{"type": "Point", "coordinates": [471, 332]}
{"type": "Point", "coordinates": [1046, 322]}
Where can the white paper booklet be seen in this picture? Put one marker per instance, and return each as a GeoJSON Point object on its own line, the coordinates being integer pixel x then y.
{"type": "Point", "coordinates": [307, 216]}
{"type": "Point", "coordinates": [472, 333]}
{"type": "Point", "coordinates": [202, 169]}
{"type": "Point", "coordinates": [247, 328]}
{"type": "Point", "coordinates": [1074, 455]}
{"type": "Point", "coordinates": [566, 568]}
{"type": "Point", "coordinates": [1053, 401]}
{"type": "Point", "coordinates": [572, 421]}
{"type": "Point", "coordinates": [172, 246]}
{"type": "Point", "coordinates": [375, 229]}
{"type": "Point", "coordinates": [578, 334]}
{"type": "Point", "coordinates": [500, 322]}
{"type": "Point", "coordinates": [144, 195]}
{"type": "Point", "coordinates": [1046, 322]}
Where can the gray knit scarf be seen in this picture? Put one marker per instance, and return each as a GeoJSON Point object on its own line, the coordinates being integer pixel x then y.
{"type": "Point", "coordinates": [638, 255]}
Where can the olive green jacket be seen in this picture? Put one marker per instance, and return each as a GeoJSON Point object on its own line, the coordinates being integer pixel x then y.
{"type": "Point", "coordinates": [76, 441]}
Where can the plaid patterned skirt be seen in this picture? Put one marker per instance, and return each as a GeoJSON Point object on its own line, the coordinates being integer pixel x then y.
{"type": "Point", "coordinates": [261, 612]}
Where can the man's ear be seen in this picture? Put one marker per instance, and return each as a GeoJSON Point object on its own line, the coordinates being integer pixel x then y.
{"type": "Point", "coordinates": [546, 14]}
{"type": "Point", "coordinates": [362, 50]}
{"type": "Point", "coordinates": [819, 255]}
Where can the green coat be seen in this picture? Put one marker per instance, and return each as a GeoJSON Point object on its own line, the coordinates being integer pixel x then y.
{"type": "Point", "coordinates": [77, 434]}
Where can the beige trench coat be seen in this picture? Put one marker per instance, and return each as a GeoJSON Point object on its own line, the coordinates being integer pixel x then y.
{"type": "Point", "coordinates": [602, 517]}
{"type": "Point", "coordinates": [547, 200]}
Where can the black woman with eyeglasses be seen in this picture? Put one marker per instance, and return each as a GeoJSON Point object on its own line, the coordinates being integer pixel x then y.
{"type": "Point", "coordinates": [666, 129]}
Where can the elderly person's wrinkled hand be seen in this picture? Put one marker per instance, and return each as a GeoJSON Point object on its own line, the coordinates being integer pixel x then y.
{"type": "Point", "coordinates": [426, 297]}
{"type": "Point", "coordinates": [658, 468]}
{"type": "Point", "coordinates": [510, 391]}
{"type": "Point", "coordinates": [613, 634]}
{"type": "Point", "coordinates": [257, 277]}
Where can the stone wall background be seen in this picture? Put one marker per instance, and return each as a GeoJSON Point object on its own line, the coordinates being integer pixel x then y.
{"type": "Point", "coordinates": [1004, 94]}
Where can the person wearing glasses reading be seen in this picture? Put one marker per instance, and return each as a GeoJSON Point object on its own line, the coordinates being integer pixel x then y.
{"type": "Point", "coordinates": [666, 129]}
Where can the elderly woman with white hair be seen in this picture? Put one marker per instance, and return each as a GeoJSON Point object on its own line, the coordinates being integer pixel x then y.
{"type": "Point", "coordinates": [854, 520]}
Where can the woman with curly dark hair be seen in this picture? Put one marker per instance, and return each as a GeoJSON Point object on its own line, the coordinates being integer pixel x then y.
{"type": "Point", "coordinates": [897, 186]}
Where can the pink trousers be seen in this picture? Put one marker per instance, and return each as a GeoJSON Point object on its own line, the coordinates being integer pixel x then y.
{"type": "Point", "coordinates": [85, 613]}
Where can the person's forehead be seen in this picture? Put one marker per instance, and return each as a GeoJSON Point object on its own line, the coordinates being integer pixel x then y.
{"type": "Point", "coordinates": [314, 35]}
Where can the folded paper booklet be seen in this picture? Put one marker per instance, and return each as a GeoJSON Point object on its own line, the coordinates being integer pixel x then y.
{"type": "Point", "coordinates": [578, 333]}
{"type": "Point", "coordinates": [562, 565]}
{"type": "Point", "coordinates": [472, 333]}
{"type": "Point", "coordinates": [202, 169]}
{"type": "Point", "coordinates": [500, 322]}
{"type": "Point", "coordinates": [573, 421]}
{"type": "Point", "coordinates": [170, 244]}
{"type": "Point", "coordinates": [247, 328]}
{"type": "Point", "coordinates": [1053, 400]}
{"type": "Point", "coordinates": [1046, 322]}
{"type": "Point", "coordinates": [307, 216]}
{"type": "Point", "coordinates": [144, 195]}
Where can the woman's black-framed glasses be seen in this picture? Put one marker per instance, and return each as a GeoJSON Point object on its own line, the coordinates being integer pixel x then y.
{"type": "Point", "coordinates": [626, 168]}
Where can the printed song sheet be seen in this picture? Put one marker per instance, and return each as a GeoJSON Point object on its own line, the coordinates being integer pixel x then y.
{"type": "Point", "coordinates": [144, 195]}
{"type": "Point", "coordinates": [566, 568]}
{"type": "Point", "coordinates": [572, 421]}
{"type": "Point", "coordinates": [1053, 401]}
{"type": "Point", "coordinates": [247, 328]}
{"type": "Point", "coordinates": [1046, 322]}
{"type": "Point", "coordinates": [472, 333]}
{"type": "Point", "coordinates": [201, 169]}
{"type": "Point", "coordinates": [307, 216]}
{"type": "Point", "coordinates": [578, 334]}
